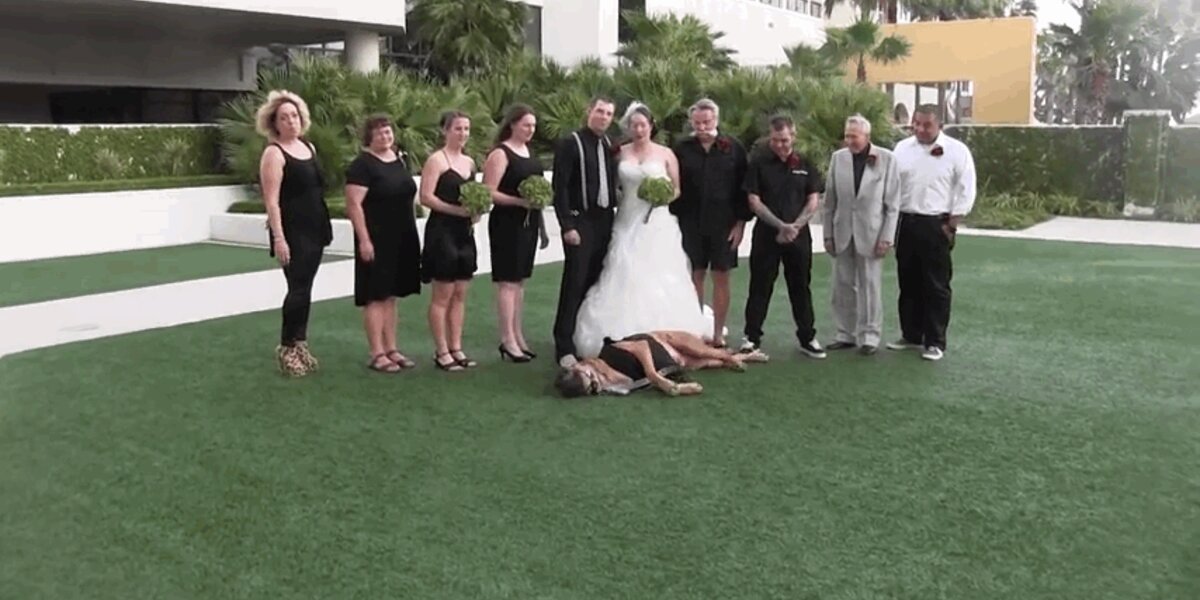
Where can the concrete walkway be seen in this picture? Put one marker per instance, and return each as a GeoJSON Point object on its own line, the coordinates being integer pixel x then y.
{"type": "Point", "coordinates": [44, 324]}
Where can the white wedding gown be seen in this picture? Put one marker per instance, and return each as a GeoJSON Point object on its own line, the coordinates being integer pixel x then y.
{"type": "Point", "coordinates": [646, 282]}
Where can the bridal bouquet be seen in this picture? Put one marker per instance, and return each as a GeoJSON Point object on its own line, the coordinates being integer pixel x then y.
{"type": "Point", "coordinates": [536, 189]}
{"type": "Point", "coordinates": [657, 191]}
{"type": "Point", "coordinates": [476, 198]}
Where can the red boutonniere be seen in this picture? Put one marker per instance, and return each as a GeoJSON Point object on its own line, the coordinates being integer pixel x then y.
{"type": "Point", "coordinates": [937, 151]}
{"type": "Point", "coordinates": [793, 161]}
{"type": "Point", "coordinates": [871, 159]}
{"type": "Point", "coordinates": [615, 149]}
{"type": "Point", "coordinates": [723, 144]}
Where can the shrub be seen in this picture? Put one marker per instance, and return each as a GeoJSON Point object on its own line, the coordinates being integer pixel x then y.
{"type": "Point", "coordinates": [89, 153]}
{"type": "Point", "coordinates": [1022, 210]}
{"type": "Point", "coordinates": [339, 100]}
{"type": "Point", "coordinates": [116, 185]}
{"type": "Point", "coordinates": [1183, 210]}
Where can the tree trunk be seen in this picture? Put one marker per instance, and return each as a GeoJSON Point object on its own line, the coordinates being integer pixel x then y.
{"type": "Point", "coordinates": [862, 69]}
{"type": "Point", "coordinates": [941, 91]}
{"type": "Point", "coordinates": [892, 12]}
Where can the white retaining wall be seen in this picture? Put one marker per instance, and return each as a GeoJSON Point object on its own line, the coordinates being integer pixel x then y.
{"type": "Point", "coordinates": [48, 226]}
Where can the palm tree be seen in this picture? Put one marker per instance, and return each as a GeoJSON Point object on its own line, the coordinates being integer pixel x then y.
{"type": "Point", "coordinates": [862, 40]}
{"type": "Point", "coordinates": [469, 36]}
{"type": "Point", "coordinates": [814, 63]}
{"type": "Point", "coordinates": [674, 38]}
{"type": "Point", "coordinates": [1159, 69]}
{"type": "Point", "coordinates": [1107, 30]}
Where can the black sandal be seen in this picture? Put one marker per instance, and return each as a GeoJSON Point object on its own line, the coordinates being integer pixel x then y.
{"type": "Point", "coordinates": [384, 368]}
{"type": "Point", "coordinates": [465, 361]}
{"type": "Point", "coordinates": [454, 365]}
{"type": "Point", "coordinates": [403, 361]}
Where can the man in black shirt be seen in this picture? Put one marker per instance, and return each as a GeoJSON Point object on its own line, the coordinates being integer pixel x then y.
{"type": "Point", "coordinates": [784, 191]}
{"type": "Point", "coordinates": [711, 208]}
{"type": "Point", "coordinates": [585, 196]}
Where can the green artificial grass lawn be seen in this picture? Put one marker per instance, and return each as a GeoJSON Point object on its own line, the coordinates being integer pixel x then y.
{"type": "Point", "coordinates": [55, 278]}
{"type": "Point", "coordinates": [1053, 454]}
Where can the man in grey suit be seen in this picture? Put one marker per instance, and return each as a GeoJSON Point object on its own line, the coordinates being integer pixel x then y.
{"type": "Point", "coordinates": [862, 204]}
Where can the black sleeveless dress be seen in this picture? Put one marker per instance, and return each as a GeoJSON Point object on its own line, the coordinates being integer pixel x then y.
{"type": "Point", "coordinates": [512, 230]}
{"type": "Point", "coordinates": [303, 212]}
{"type": "Point", "coordinates": [395, 271]}
{"type": "Point", "coordinates": [627, 364]}
{"type": "Point", "coordinates": [449, 253]}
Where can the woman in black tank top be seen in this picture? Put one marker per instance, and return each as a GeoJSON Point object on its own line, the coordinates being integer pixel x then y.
{"type": "Point", "coordinates": [621, 365]}
{"type": "Point", "coordinates": [448, 260]}
{"type": "Point", "coordinates": [298, 223]}
{"type": "Point", "coordinates": [513, 228]}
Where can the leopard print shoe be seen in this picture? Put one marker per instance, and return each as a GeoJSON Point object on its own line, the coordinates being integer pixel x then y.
{"type": "Point", "coordinates": [290, 362]}
{"type": "Point", "coordinates": [310, 362]}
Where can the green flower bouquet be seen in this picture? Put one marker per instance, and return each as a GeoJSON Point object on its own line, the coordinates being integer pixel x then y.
{"type": "Point", "coordinates": [657, 191]}
{"type": "Point", "coordinates": [476, 198]}
{"type": "Point", "coordinates": [537, 191]}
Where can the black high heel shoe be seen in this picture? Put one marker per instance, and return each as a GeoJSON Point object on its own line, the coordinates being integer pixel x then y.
{"type": "Point", "coordinates": [528, 352]}
{"type": "Point", "coordinates": [517, 358]}
{"type": "Point", "coordinates": [453, 365]}
{"type": "Point", "coordinates": [464, 362]}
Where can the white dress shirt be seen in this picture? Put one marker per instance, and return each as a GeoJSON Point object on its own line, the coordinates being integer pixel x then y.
{"type": "Point", "coordinates": [936, 185]}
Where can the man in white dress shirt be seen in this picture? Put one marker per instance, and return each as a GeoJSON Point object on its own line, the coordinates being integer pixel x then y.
{"type": "Point", "coordinates": [937, 175]}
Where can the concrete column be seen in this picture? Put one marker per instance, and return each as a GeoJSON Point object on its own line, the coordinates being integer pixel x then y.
{"type": "Point", "coordinates": [362, 50]}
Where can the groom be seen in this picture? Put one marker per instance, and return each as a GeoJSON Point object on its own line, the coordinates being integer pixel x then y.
{"type": "Point", "coordinates": [585, 194]}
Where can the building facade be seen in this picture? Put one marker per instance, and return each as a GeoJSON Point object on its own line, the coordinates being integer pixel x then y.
{"type": "Point", "coordinates": [123, 61]}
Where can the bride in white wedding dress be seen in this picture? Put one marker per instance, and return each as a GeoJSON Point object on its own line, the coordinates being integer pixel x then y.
{"type": "Point", "coordinates": [645, 284]}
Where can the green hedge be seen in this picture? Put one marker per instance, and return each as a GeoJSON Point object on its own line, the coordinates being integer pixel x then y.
{"type": "Point", "coordinates": [1183, 165]}
{"type": "Point", "coordinates": [337, 208]}
{"type": "Point", "coordinates": [91, 153]}
{"type": "Point", "coordinates": [1084, 162]}
{"type": "Point", "coordinates": [116, 185]}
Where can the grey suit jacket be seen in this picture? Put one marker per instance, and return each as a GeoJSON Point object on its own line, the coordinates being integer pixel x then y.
{"type": "Point", "coordinates": [870, 216]}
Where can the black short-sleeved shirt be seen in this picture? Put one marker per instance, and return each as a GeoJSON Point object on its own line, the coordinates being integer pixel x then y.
{"type": "Point", "coordinates": [713, 195]}
{"type": "Point", "coordinates": [783, 185]}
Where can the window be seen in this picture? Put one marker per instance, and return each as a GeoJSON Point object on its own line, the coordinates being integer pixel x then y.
{"type": "Point", "coordinates": [533, 29]}
{"type": "Point", "coordinates": [623, 30]}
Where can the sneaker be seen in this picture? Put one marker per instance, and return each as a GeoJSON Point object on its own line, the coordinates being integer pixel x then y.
{"type": "Point", "coordinates": [868, 350]}
{"type": "Point", "coordinates": [840, 345]}
{"type": "Point", "coordinates": [567, 361]}
{"type": "Point", "coordinates": [813, 349]}
{"type": "Point", "coordinates": [933, 353]}
{"type": "Point", "coordinates": [747, 346]}
{"type": "Point", "coordinates": [902, 344]}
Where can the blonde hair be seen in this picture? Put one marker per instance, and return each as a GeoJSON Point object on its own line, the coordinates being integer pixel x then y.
{"type": "Point", "coordinates": [264, 119]}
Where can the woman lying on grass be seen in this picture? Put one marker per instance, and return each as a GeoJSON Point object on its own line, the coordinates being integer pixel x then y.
{"type": "Point", "coordinates": [645, 359]}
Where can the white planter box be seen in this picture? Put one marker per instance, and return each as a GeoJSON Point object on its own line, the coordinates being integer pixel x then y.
{"type": "Point", "coordinates": [53, 225]}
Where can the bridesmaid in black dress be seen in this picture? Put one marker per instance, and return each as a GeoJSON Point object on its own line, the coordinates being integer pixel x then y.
{"type": "Point", "coordinates": [512, 227]}
{"type": "Point", "coordinates": [387, 258]}
{"type": "Point", "coordinates": [448, 259]}
{"type": "Point", "coordinates": [298, 224]}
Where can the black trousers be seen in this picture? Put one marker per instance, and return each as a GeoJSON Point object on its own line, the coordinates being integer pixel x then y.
{"type": "Point", "coordinates": [300, 272]}
{"type": "Point", "coordinates": [581, 270]}
{"type": "Point", "coordinates": [924, 269]}
{"type": "Point", "coordinates": [765, 257]}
